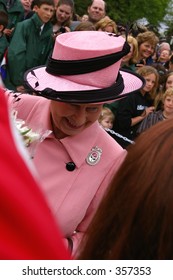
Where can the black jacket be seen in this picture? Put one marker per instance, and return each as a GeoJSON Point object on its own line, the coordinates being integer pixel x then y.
{"type": "Point", "coordinates": [131, 106]}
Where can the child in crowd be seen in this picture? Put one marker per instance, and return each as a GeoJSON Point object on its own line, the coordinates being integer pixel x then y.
{"type": "Point", "coordinates": [31, 44]}
{"type": "Point", "coordinates": [106, 118]}
{"type": "Point", "coordinates": [133, 109]}
{"type": "Point", "coordinates": [167, 82]}
{"type": "Point", "coordinates": [165, 113]}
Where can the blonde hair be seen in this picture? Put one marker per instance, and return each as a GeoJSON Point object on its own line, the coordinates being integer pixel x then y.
{"type": "Point", "coordinates": [104, 22]}
{"type": "Point", "coordinates": [160, 98]}
{"type": "Point", "coordinates": [106, 112]}
{"type": "Point", "coordinates": [131, 40]}
{"type": "Point", "coordinates": [168, 92]}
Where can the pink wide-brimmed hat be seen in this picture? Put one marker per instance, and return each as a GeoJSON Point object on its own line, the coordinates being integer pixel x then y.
{"type": "Point", "coordinates": [85, 68]}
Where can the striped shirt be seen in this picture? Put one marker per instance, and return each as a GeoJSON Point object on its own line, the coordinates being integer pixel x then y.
{"type": "Point", "coordinates": [150, 120]}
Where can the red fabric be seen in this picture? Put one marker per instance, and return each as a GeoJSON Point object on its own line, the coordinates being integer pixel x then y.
{"type": "Point", "coordinates": [27, 228]}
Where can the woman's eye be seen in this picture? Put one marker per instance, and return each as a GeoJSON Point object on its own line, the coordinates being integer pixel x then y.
{"type": "Point", "coordinates": [92, 109]}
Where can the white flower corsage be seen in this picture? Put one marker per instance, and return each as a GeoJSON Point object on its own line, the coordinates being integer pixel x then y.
{"type": "Point", "coordinates": [29, 136]}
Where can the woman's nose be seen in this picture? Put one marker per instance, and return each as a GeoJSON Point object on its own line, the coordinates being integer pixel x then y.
{"type": "Point", "coordinates": [80, 116]}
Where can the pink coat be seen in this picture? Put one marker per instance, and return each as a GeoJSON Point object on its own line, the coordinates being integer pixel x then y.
{"type": "Point", "coordinates": [73, 196]}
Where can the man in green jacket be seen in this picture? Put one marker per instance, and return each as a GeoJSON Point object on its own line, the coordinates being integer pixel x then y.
{"type": "Point", "coordinates": [31, 44]}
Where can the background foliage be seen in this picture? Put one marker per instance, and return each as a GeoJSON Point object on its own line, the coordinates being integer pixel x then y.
{"type": "Point", "coordinates": [128, 11]}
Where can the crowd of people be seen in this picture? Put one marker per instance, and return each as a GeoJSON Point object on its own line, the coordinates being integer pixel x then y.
{"type": "Point", "coordinates": [105, 97]}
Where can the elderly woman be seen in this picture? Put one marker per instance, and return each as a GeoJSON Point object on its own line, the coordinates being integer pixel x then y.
{"type": "Point", "coordinates": [77, 160]}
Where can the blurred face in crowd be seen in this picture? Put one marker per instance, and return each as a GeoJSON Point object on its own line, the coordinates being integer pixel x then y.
{"type": "Point", "coordinates": [108, 28]}
{"type": "Point", "coordinates": [164, 46]}
{"type": "Point", "coordinates": [164, 55]}
{"type": "Point", "coordinates": [146, 50]}
{"type": "Point", "coordinates": [63, 13]}
{"type": "Point", "coordinates": [45, 12]}
{"type": "Point", "coordinates": [150, 82]}
{"type": "Point", "coordinates": [71, 119]}
{"type": "Point", "coordinates": [26, 5]}
{"type": "Point", "coordinates": [96, 11]}
{"type": "Point", "coordinates": [85, 18]}
{"type": "Point", "coordinates": [169, 82]}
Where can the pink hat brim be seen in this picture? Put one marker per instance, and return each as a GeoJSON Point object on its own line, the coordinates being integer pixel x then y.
{"type": "Point", "coordinates": [37, 79]}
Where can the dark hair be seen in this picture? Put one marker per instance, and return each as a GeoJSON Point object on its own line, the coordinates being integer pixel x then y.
{"type": "Point", "coordinates": [3, 19]}
{"type": "Point", "coordinates": [134, 221]}
{"type": "Point", "coordinates": [137, 28]}
{"type": "Point", "coordinates": [66, 2]}
{"type": "Point", "coordinates": [161, 71]}
{"type": "Point", "coordinates": [42, 2]}
{"type": "Point", "coordinates": [168, 74]}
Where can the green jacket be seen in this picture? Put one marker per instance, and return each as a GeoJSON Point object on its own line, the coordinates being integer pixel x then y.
{"type": "Point", "coordinates": [3, 46]}
{"type": "Point", "coordinates": [28, 49]}
{"type": "Point", "coordinates": [15, 12]}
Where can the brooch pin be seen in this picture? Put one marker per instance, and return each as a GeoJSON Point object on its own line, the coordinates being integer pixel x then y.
{"type": "Point", "coordinates": [94, 156]}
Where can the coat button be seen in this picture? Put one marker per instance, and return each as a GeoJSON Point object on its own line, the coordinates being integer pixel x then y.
{"type": "Point", "coordinates": [70, 166]}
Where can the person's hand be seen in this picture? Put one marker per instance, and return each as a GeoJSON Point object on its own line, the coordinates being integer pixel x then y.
{"type": "Point", "coordinates": [20, 89]}
{"type": "Point", "coordinates": [55, 34]}
{"type": "Point", "coordinates": [138, 65]}
{"type": "Point", "coordinates": [67, 29]}
{"type": "Point", "coordinates": [8, 32]}
{"type": "Point", "coordinates": [141, 63]}
{"type": "Point", "coordinates": [147, 111]}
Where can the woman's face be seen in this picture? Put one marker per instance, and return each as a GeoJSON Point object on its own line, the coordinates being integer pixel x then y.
{"type": "Point", "coordinates": [71, 119]}
{"type": "Point", "coordinates": [150, 82]}
{"type": "Point", "coordinates": [146, 50]}
{"type": "Point", "coordinates": [169, 82]}
{"type": "Point", "coordinates": [168, 105]}
{"type": "Point", "coordinates": [63, 13]}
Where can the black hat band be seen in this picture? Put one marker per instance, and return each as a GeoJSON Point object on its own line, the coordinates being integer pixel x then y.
{"type": "Point", "coordinates": [83, 66]}
{"type": "Point", "coordinates": [85, 96]}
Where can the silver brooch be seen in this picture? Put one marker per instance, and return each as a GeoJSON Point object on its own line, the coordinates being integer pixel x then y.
{"type": "Point", "coordinates": [94, 156]}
